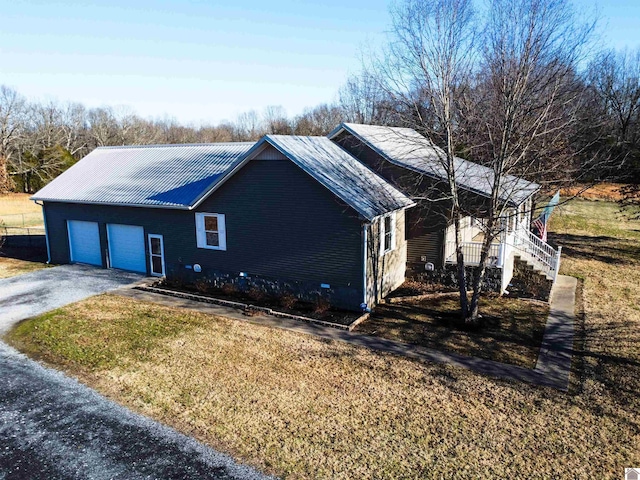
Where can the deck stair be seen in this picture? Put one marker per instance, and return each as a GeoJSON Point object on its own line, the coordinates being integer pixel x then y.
{"type": "Point", "coordinates": [536, 253]}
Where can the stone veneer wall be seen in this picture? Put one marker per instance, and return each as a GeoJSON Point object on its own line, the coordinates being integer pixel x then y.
{"type": "Point", "coordinates": [341, 297]}
{"type": "Point", "coordinates": [448, 276]}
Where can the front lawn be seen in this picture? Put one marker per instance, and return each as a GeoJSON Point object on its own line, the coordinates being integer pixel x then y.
{"type": "Point", "coordinates": [511, 329]}
{"type": "Point", "coordinates": [300, 407]}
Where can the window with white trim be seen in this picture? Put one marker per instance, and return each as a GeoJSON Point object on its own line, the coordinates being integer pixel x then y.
{"type": "Point", "coordinates": [210, 231]}
{"type": "Point", "coordinates": [388, 233]}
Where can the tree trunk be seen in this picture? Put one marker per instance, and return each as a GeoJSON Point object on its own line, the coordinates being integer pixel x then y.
{"type": "Point", "coordinates": [473, 314]}
{"type": "Point", "coordinates": [6, 184]}
{"type": "Point", "coordinates": [462, 281]}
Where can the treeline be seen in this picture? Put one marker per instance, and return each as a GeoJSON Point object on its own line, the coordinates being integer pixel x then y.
{"type": "Point", "coordinates": [39, 140]}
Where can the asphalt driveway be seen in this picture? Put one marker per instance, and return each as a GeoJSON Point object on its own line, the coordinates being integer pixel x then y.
{"type": "Point", "coordinates": [53, 427]}
{"type": "Point", "coordinates": [37, 292]}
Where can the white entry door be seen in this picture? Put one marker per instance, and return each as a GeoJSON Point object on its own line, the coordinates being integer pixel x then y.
{"type": "Point", "coordinates": [156, 255]}
{"type": "Point", "coordinates": [84, 242]}
{"type": "Point", "coordinates": [126, 247]}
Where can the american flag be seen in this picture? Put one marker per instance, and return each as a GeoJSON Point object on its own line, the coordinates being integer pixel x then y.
{"type": "Point", "coordinates": [540, 224]}
{"type": "Point", "coordinates": [540, 227]}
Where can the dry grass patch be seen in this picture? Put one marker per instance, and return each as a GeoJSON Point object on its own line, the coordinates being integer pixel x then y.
{"type": "Point", "coordinates": [601, 191]}
{"type": "Point", "coordinates": [17, 210]}
{"type": "Point", "coordinates": [12, 203]}
{"type": "Point", "coordinates": [511, 330]}
{"type": "Point", "coordinates": [305, 408]}
{"type": "Point", "coordinates": [10, 267]}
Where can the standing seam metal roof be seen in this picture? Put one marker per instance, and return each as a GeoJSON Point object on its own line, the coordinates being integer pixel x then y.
{"type": "Point", "coordinates": [167, 176]}
{"type": "Point", "coordinates": [407, 148]}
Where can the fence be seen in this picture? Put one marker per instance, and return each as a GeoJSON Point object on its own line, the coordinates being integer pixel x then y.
{"type": "Point", "coordinates": [23, 237]}
{"type": "Point", "coordinates": [31, 219]}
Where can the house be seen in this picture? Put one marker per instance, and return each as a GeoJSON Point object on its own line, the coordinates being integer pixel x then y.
{"type": "Point", "coordinates": [414, 164]}
{"type": "Point", "coordinates": [346, 217]}
{"type": "Point", "coordinates": [288, 213]}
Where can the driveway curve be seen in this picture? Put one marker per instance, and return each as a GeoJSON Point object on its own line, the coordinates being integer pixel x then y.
{"type": "Point", "coordinates": [34, 293]}
{"type": "Point", "coordinates": [54, 428]}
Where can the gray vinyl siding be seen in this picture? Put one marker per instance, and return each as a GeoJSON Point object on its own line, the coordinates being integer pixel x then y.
{"type": "Point", "coordinates": [280, 223]}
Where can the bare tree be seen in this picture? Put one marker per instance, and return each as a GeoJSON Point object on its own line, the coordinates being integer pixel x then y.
{"type": "Point", "coordinates": [12, 110]}
{"type": "Point", "coordinates": [319, 120]}
{"type": "Point", "coordinates": [362, 100]}
{"type": "Point", "coordinates": [527, 99]}
{"type": "Point", "coordinates": [248, 127]}
{"type": "Point", "coordinates": [275, 120]}
{"type": "Point", "coordinates": [502, 90]}
{"type": "Point", "coordinates": [429, 61]}
{"type": "Point", "coordinates": [615, 77]}
{"type": "Point", "coordinates": [103, 127]}
{"type": "Point", "coordinates": [614, 83]}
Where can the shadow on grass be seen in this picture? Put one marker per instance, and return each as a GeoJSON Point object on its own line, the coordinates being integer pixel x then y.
{"type": "Point", "coordinates": [604, 249]}
{"type": "Point", "coordinates": [507, 337]}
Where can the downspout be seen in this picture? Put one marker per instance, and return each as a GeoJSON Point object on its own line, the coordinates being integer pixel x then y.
{"type": "Point", "coordinates": [364, 264]}
{"type": "Point", "coordinates": [46, 231]}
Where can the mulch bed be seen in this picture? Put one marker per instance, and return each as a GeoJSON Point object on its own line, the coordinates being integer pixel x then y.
{"type": "Point", "coordinates": [412, 288]}
{"type": "Point", "coordinates": [304, 309]}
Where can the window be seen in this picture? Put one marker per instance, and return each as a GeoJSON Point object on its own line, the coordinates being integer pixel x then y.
{"type": "Point", "coordinates": [210, 231]}
{"type": "Point", "coordinates": [387, 233]}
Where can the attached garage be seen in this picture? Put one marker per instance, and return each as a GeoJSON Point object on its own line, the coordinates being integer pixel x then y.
{"type": "Point", "coordinates": [126, 247]}
{"type": "Point", "coordinates": [84, 242]}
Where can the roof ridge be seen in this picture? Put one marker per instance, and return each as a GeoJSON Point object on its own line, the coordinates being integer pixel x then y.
{"type": "Point", "coordinates": [171, 145]}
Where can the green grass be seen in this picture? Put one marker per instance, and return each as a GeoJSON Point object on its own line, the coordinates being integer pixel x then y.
{"type": "Point", "coordinates": [88, 340]}
{"type": "Point", "coordinates": [594, 218]}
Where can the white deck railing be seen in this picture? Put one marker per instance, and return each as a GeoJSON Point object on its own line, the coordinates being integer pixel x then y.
{"type": "Point", "coordinates": [471, 252]}
{"type": "Point", "coordinates": [537, 251]}
{"type": "Point", "coordinates": [519, 242]}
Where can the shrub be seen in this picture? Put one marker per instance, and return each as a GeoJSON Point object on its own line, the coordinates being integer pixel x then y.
{"type": "Point", "coordinates": [202, 285]}
{"type": "Point", "coordinates": [175, 282]}
{"type": "Point", "coordinates": [287, 300]}
{"type": "Point", "coordinates": [321, 306]}
{"type": "Point", "coordinates": [229, 288]}
{"type": "Point", "coordinates": [251, 312]}
{"type": "Point", "coordinates": [256, 294]}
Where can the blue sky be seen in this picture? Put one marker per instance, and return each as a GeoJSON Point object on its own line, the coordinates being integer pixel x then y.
{"type": "Point", "coordinates": [206, 61]}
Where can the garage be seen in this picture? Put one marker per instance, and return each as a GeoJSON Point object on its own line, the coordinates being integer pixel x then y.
{"type": "Point", "coordinates": [126, 247]}
{"type": "Point", "coordinates": [84, 242]}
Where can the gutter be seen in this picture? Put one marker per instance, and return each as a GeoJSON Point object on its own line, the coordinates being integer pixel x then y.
{"type": "Point", "coordinates": [46, 231]}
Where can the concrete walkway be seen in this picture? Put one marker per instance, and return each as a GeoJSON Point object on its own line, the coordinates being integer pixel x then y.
{"type": "Point", "coordinates": [554, 361]}
{"type": "Point", "coordinates": [552, 369]}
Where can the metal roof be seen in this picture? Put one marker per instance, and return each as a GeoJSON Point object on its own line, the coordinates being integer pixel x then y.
{"type": "Point", "coordinates": [166, 176]}
{"type": "Point", "coordinates": [407, 148]}
{"type": "Point", "coordinates": [344, 175]}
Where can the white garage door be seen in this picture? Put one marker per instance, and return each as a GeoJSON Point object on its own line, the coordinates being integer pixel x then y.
{"type": "Point", "coordinates": [84, 242]}
{"type": "Point", "coordinates": [126, 247]}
